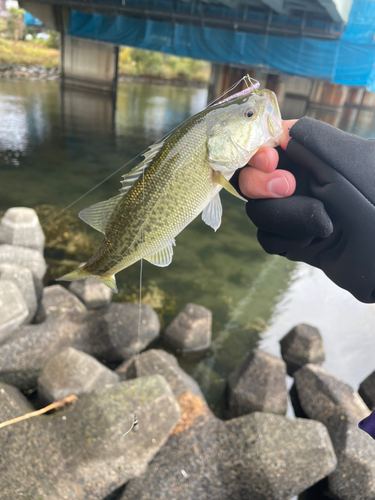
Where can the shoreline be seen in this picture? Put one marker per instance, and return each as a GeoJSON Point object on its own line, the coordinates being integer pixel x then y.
{"type": "Point", "coordinates": [36, 72]}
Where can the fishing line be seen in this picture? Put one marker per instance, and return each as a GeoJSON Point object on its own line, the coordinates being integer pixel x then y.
{"type": "Point", "coordinates": [245, 78]}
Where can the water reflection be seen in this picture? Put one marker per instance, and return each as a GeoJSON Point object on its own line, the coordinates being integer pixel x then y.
{"type": "Point", "coordinates": [87, 112]}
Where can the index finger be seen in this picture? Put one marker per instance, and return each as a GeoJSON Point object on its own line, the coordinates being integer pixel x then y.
{"type": "Point", "coordinates": [285, 137]}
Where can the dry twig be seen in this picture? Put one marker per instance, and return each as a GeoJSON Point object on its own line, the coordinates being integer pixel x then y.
{"type": "Point", "coordinates": [57, 405]}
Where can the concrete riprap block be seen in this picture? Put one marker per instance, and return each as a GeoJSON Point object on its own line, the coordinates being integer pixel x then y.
{"type": "Point", "coordinates": [57, 300]}
{"type": "Point", "coordinates": [258, 384]}
{"type": "Point", "coordinates": [20, 226]}
{"type": "Point", "coordinates": [92, 293]}
{"type": "Point", "coordinates": [23, 278]}
{"type": "Point", "coordinates": [13, 308]}
{"type": "Point", "coordinates": [190, 331]}
{"type": "Point", "coordinates": [73, 372]}
{"type": "Point", "coordinates": [24, 257]}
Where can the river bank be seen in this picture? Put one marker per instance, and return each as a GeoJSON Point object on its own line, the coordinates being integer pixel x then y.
{"type": "Point", "coordinates": [38, 72]}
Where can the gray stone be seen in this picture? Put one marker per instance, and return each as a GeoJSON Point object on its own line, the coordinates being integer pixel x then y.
{"type": "Point", "coordinates": [255, 457]}
{"type": "Point", "coordinates": [367, 391]}
{"type": "Point", "coordinates": [302, 345]}
{"type": "Point", "coordinates": [334, 403]}
{"type": "Point", "coordinates": [92, 293]}
{"type": "Point", "coordinates": [73, 372]}
{"type": "Point", "coordinates": [20, 226]}
{"type": "Point", "coordinates": [354, 477]}
{"type": "Point", "coordinates": [157, 361]}
{"type": "Point", "coordinates": [81, 452]}
{"type": "Point", "coordinates": [12, 403]}
{"type": "Point", "coordinates": [23, 278]}
{"type": "Point", "coordinates": [57, 300]}
{"type": "Point", "coordinates": [325, 398]}
{"type": "Point", "coordinates": [190, 331]}
{"type": "Point", "coordinates": [13, 308]}
{"type": "Point", "coordinates": [106, 334]}
{"type": "Point", "coordinates": [24, 257]}
{"type": "Point", "coordinates": [258, 384]}
{"type": "Point", "coordinates": [118, 325]}
{"type": "Point", "coordinates": [23, 355]}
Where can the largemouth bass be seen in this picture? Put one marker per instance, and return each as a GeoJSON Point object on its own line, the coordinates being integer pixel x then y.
{"type": "Point", "coordinates": [179, 178]}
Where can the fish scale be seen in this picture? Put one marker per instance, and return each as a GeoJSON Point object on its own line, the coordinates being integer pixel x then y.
{"type": "Point", "coordinates": [178, 179]}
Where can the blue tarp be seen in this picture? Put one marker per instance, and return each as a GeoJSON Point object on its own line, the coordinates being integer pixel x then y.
{"type": "Point", "coordinates": [31, 20]}
{"type": "Point", "coordinates": [349, 60]}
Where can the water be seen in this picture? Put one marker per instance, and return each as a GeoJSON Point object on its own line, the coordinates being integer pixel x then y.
{"type": "Point", "coordinates": [55, 146]}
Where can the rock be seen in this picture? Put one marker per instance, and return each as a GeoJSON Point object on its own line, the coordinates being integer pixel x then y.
{"type": "Point", "coordinates": [20, 226]}
{"type": "Point", "coordinates": [92, 293]}
{"type": "Point", "coordinates": [302, 345]}
{"type": "Point", "coordinates": [81, 452]}
{"type": "Point", "coordinates": [118, 326]}
{"type": "Point", "coordinates": [259, 457]}
{"type": "Point", "coordinates": [157, 361]}
{"type": "Point", "coordinates": [109, 335]}
{"type": "Point", "coordinates": [73, 372]}
{"type": "Point", "coordinates": [24, 257]}
{"type": "Point", "coordinates": [367, 391]}
{"type": "Point", "coordinates": [57, 300]}
{"type": "Point", "coordinates": [354, 477]}
{"type": "Point", "coordinates": [258, 384]}
{"type": "Point", "coordinates": [334, 403]}
{"type": "Point", "coordinates": [190, 331]}
{"type": "Point", "coordinates": [325, 398]}
{"type": "Point", "coordinates": [13, 308]}
{"type": "Point", "coordinates": [23, 355]}
{"type": "Point", "coordinates": [23, 278]}
{"type": "Point", "coordinates": [12, 403]}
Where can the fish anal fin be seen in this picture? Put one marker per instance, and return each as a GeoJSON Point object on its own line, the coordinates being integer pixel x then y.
{"type": "Point", "coordinates": [211, 215]}
{"type": "Point", "coordinates": [220, 179]}
{"type": "Point", "coordinates": [98, 215]}
{"type": "Point", "coordinates": [163, 257]}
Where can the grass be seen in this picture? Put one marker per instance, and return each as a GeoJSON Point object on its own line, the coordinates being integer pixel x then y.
{"type": "Point", "coordinates": [132, 62]}
{"type": "Point", "coordinates": [138, 62]}
{"type": "Point", "coordinates": [27, 54]}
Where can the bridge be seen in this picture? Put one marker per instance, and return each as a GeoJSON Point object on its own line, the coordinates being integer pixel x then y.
{"type": "Point", "coordinates": [329, 40]}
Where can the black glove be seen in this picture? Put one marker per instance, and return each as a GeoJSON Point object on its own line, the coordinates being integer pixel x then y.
{"type": "Point", "coordinates": [329, 222]}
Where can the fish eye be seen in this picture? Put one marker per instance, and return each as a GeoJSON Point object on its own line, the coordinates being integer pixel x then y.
{"type": "Point", "coordinates": [249, 113]}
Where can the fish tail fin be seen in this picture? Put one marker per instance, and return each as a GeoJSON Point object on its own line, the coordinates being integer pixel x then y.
{"type": "Point", "coordinates": [81, 273]}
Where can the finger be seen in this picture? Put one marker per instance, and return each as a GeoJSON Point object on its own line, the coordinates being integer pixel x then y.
{"type": "Point", "coordinates": [256, 184]}
{"type": "Point", "coordinates": [266, 159]}
{"type": "Point", "coordinates": [285, 137]}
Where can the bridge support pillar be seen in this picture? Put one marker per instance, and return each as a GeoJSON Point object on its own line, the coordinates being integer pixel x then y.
{"type": "Point", "coordinates": [88, 64]}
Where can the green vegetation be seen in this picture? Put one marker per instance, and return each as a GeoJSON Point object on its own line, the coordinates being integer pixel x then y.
{"type": "Point", "coordinates": [15, 24]}
{"type": "Point", "coordinates": [27, 53]}
{"type": "Point", "coordinates": [18, 48]}
{"type": "Point", "coordinates": [15, 51]}
{"type": "Point", "coordinates": [137, 62]}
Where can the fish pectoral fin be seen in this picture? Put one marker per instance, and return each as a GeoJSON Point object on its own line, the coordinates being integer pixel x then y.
{"type": "Point", "coordinates": [220, 179]}
{"type": "Point", "coordinates": [98, 215]}
{"type": "Point", "coordinates": [211, 215]}
{"type": "Point", "coordinates": [163, 257]}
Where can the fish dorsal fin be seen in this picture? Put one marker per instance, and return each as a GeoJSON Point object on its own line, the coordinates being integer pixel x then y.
{"type": "Point", "coordinates": [98, 215]}
{"type": "Point", "coordinates": [163, 257]}
{"type": "Point", "coordinates": [129, 179]}
{"type": "Point", "coordinates": [211, 215]}
{"type": "Point", "coordinates": [220, 179]}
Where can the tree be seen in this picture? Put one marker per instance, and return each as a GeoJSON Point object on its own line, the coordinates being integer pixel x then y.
{"type": "Point", "coordinates": [15, 22]}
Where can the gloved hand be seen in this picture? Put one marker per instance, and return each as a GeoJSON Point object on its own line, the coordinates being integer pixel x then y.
{"type": "Point", "coordinates": [329, 222]}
